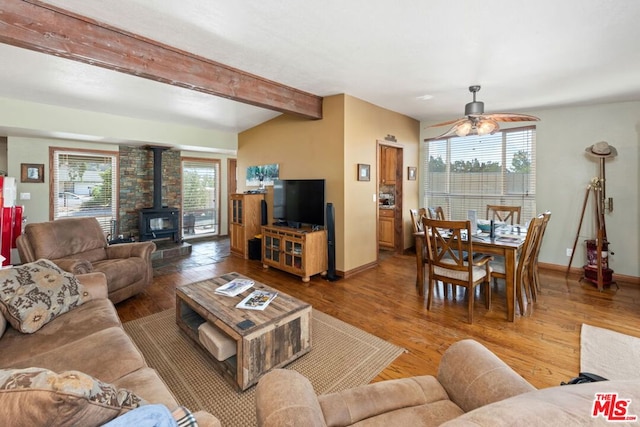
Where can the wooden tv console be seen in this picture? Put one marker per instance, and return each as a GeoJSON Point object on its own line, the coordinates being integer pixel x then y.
{"type": "Point", "coordinates": [299, 251]}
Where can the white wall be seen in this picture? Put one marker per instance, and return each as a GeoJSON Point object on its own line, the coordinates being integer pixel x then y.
{"type": "Point", "coordinates": [22, 118]}
{"type": "Point", "coordinates": [564, 172]}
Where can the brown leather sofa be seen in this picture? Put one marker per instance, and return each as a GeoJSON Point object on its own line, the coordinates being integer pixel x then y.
{"type": "Point", "coordinates": [90, 339]}
{"type": "Point", "coordinates": [79, 246]}
{"type": "Point", "coordinates": [473, 387]}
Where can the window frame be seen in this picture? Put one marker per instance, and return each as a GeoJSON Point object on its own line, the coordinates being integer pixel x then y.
{"type": "Point", "coordinates": [451, 201]}
{"type": "Point", "coordinates": [54, 183]}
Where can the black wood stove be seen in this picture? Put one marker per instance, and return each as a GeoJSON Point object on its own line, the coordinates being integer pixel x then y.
{"type": "Point", "coordinates": [159, 222]}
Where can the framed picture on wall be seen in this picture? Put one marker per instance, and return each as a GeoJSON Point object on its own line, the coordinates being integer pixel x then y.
{"type": "Point", "coordinates": [364, 172]}
{"type": "Point", "coordinates": [31, 172]}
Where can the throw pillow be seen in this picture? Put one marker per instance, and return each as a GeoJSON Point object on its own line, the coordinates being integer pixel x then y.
{"type": "Point", "coordinates": [39, 397]}
{"type": "Point", "coordinates": [33, 294]}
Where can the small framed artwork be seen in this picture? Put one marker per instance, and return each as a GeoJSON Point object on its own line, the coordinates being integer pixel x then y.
{"type": "Point", "coordinates": [364, 172]}
{"type": "Point", "coordinates": [31, 172]}
{"type": "Point", "coordinates": [411, 173]}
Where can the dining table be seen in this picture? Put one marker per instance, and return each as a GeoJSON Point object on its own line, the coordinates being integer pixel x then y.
{"type": "Point", "coordinates": [505, 245]}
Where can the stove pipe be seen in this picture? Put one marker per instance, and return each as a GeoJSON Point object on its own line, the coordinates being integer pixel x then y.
{"type": "Point", "coordinates": [157, 176]}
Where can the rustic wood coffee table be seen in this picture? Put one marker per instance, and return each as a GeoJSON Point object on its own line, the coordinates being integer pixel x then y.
{"type": "Point", "coordinates": [265, 339]}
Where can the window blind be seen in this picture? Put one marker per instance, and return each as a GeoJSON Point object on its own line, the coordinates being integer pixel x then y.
{"type": "Point", "coordinates": [464, 173]}
{"type": "Point", "coordinates": [83, 185]}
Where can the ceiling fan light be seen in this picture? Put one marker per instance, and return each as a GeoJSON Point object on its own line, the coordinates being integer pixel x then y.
{"type": "Point", "coordinates": [486, 127]}
{"type": "Point", "coordinates": [463, 129]}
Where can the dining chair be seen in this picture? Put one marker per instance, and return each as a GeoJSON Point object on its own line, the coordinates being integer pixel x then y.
{"type": "Point", "coordinates": [421, 251]}
{"type": "Point", "coordinates": [535, 279]}
{"type": "Point", "coordinates": [421, 248]}
{"type": "Point", "coordinates": [436, 213]}
{"type": "Point", "coordinates": [416, 218]}
{"type": "Point", "coordinates": [446, 243]}
{"type": "Point", "coordinates": [523, 262]}
{"type": "Point", "coordinates": [509, 214]}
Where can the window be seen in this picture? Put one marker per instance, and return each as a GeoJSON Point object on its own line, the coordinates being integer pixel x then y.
{"type": "Point", "coordinates": [82, 184]}
{"type": "Point", "coordinates": [463, 173]}
{"type": "Point", "coordinates": [200, 182]}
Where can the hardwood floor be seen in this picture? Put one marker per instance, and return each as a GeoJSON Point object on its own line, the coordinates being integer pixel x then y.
{"type": "Point", "coordinates": [542, 346]}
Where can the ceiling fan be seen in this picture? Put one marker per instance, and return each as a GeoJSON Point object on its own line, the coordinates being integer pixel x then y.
{"type": "Point", "coordinates": [478, 123]}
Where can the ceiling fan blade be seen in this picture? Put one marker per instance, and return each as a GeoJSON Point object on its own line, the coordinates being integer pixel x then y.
{"type": "Point", "coordinates": [450, 122]}
{"type": "Point", "coordinates": [511, 117]}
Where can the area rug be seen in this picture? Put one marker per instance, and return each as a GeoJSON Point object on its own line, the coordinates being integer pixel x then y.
{"type": "Point", "coordinates": [342, 357]}
{"type": "Point", "coordinates": [610, 354]}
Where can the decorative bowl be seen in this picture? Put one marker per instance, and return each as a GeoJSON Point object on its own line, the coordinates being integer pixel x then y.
{"type": "Point", "coordinates": [484, 225]}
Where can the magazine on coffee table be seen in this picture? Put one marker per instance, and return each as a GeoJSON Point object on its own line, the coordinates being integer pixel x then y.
{"type": "Point", "coordinates": [234, 287]}
{"type": "Point", "coordinates": [257, 300]}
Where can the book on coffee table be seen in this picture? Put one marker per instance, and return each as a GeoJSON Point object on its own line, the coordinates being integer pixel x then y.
{"type": "Point", "coordinates": [234, 287]}
{"type": "Point", "coordinates": [257, 300]}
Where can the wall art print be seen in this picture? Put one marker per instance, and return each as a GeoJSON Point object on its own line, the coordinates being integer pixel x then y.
{"type": "Point", "coordinates": [262, 175]}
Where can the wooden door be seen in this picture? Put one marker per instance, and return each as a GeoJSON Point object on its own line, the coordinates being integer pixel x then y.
{"type": "Point", "coordinates": [388, 164]}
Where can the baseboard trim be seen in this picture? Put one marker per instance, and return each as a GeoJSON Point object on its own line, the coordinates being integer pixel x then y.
{"type": "Point", "coordinates": [576, 272]}
{"type": "Point", "coordinates": [347, 274]}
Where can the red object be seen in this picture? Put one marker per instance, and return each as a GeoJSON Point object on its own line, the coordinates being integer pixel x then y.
{"type": "Point", "coordinates": [6, 228]}
{"type": "Point", "coordinates": [591, 268]}
{"type": "Point", "coordinates": [10, 229]}
{"type": "Point", "coordinates": [591, 274]}
{"type": "Point", "coordinates": [17, 225]}
{"type": "Point", "coordinates": [592, 254]}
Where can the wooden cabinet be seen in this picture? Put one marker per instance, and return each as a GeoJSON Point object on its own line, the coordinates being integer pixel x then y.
{"type": "Point", "coordinates": [388, 165]}
{"type": "Point", "coordinates": [245, 221]}
{"type": "Point", "coordinates": [300, 252]}
{"type": "Point", "coordinates": [386, 226]}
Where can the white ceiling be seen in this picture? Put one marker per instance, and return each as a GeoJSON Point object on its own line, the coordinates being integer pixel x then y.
{"type": "Point", "coordinates": [527, 55]}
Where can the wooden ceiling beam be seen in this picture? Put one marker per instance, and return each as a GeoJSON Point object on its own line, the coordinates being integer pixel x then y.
{"type": "Point", "coordinates": [43, 28]}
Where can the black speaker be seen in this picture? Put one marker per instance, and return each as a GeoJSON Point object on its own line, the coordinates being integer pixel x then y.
{"type": "Point", "coordinates": [255, 249]}
{"type": "Point", "coordinates": [263, 212]}
{"type": "Point", "coordinates": [331, 244]}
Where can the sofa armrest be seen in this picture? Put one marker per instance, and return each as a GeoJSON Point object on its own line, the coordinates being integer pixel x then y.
{"type": "Point", "coordinates": [285, 397]}
{"type": "Point", "coordinates": [205, 419]}
{"type": "Point", "coordinates": [128, 250]}
{"type": "Point", "coordinates": [95, 284]}
{"type": "Point", "coordinates": [74, 265]}
{"type": "Point", "coordinates": [473, 376]}
{"type": "Point", "coordinates": [25, 251]}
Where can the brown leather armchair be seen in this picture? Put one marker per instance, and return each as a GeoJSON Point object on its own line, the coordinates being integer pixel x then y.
{"type": "Point", "coordinates": [79, 245]}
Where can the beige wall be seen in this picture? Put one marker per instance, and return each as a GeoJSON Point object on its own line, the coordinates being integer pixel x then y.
{"type": "Point", "coordinates": [331, 148]}
{"type": "Point", "coordinates": [365, 125]}
{"type": "Point", "coordinates": [564, 171]}
{"type": "Point", "coordinates": [303, 149]}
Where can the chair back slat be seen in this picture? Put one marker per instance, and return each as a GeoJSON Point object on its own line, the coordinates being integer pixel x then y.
{"type": "Point", "coordinates": [507, 214]}
{"type": "Point", "coordinates": [445, 243]}
{"type": "Point", "coordinates": [436, 213]}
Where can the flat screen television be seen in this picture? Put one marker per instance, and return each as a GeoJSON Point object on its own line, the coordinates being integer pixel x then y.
{"type": "Point", "coordinates": [299, 201]}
